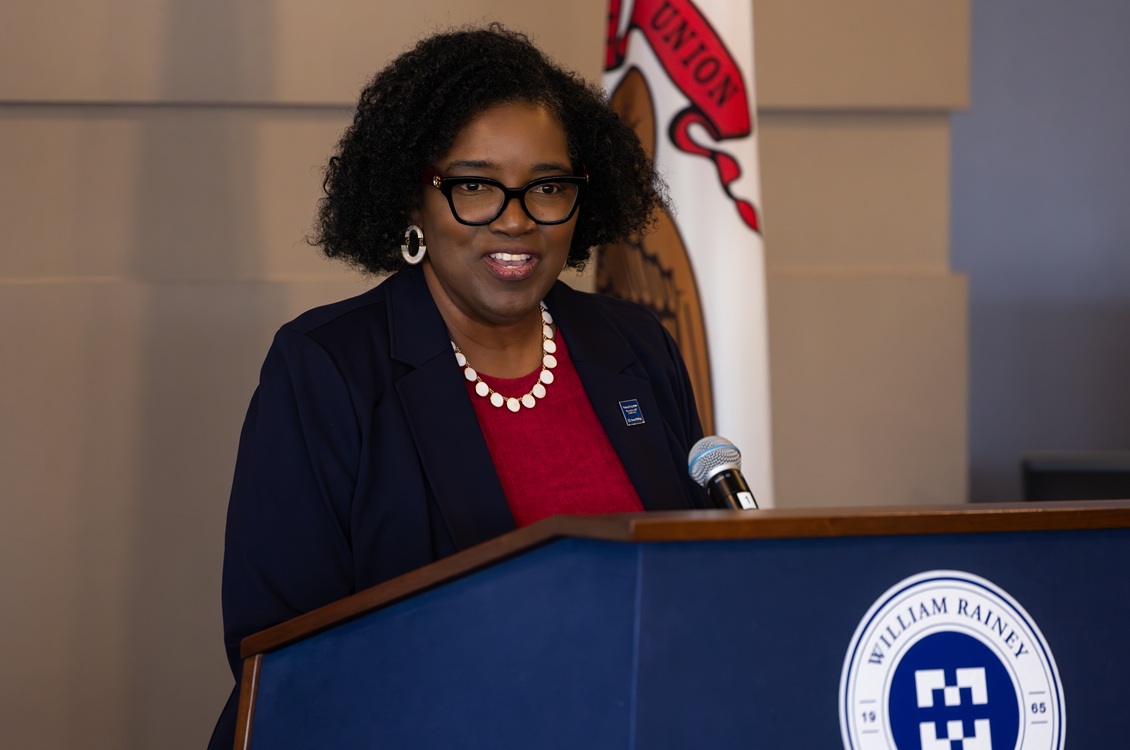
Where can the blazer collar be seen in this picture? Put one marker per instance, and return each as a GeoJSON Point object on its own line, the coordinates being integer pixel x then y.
{"type": "Point", "coordinates": [456, 461]}
{"type": "Point", "coordinates": [417, 333]}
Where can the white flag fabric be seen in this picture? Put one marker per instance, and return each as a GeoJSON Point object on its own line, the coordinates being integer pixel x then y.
{"type": "Point", "coordinates": [680, 72]}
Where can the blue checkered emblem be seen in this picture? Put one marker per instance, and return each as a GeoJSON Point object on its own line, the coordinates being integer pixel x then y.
{"type": "Point", "coordinates": [951, 692]}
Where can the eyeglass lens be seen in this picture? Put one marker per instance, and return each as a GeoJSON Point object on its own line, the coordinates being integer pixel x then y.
{"type": "Point", "coordinates": [544, 201]}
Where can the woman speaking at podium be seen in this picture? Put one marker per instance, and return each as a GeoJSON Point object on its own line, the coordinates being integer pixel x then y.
{"type": "Point", "coordinates": [470, 392]}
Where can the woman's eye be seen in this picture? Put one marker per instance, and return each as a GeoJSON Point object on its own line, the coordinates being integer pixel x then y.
{"type": "Point", "coordinates": [549, 188]}
{"type": "Point", "coordinates": [470, 187]}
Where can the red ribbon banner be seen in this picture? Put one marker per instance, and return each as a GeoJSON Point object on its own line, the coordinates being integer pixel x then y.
{"type": "Point", "coordinates": [699, 64]}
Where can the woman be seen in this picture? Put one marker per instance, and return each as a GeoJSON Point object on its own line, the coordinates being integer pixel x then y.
{"type": "Point", "coordinates": [470, 392]}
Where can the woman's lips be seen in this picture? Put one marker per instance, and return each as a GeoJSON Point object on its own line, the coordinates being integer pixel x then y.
{"type": "Point", "coordinates": [511, 266]}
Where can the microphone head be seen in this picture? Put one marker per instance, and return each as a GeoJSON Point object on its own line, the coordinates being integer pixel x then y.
{"type": "Point", "coordinates": [711, 455]}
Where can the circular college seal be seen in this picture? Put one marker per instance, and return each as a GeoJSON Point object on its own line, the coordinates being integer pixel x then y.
{"type": "Point", "coordinates": [946, 660]}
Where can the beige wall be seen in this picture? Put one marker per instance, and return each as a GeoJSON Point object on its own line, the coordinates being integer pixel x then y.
{"type": "Point", "coordinates": [867, 323]}
{"type": "Point", "coordinates": [159, 163]}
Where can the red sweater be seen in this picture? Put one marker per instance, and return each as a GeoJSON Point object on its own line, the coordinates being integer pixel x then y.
{"type": "Point", "coordinates": [554, 458]}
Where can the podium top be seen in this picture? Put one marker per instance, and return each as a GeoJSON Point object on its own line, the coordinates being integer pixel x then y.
{"type": "Point", "coordinates": [703, 525]}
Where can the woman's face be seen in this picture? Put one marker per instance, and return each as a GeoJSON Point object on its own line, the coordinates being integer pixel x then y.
{"type": "Point", "coordinates": [497, 273]}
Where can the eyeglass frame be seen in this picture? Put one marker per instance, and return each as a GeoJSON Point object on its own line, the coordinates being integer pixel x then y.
{"type": "Point", "coordinates": [446, 184]}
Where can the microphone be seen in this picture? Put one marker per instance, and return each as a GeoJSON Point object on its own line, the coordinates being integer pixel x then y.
{"type": "Point", "coordinates": [715, 463]}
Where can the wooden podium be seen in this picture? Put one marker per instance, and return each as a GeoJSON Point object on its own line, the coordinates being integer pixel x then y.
{"type": "Point", "coordinates": [707, 629]}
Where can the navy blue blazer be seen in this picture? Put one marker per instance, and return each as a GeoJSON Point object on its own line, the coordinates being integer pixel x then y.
{"type": "Point", "coordinates": [361, 457]}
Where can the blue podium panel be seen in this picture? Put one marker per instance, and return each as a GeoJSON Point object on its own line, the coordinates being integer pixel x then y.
{"type": "Point", "coordinates": [535, 652]}
{"type": "Point", "coordinates": [730, 644]}
{"type": "Point", "coordinates": [743, 643]}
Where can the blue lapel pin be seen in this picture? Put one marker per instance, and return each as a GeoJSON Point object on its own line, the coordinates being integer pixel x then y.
{"type": "Point", "coordinates": [631, 411]}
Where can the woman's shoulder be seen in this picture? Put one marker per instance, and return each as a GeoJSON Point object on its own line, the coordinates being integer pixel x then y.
{"type": "Point", "coordinates": [394, 321]}
{"type": "Point", "coordinates": [595, 312]}
{"type": "Point", "coordinates": [618, 312]}
{"type": "Point", "coordinates": [346, 336]}
{"type": "Point", "coordinates": [346, 313]}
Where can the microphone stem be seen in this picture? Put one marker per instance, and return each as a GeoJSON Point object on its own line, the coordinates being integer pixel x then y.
{"type": "Point", "coordinates": [729, 490]}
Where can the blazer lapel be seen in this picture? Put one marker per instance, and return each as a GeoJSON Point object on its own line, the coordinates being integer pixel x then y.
{"type": "Point", "coordinates": [454, 455]}
{"type": "Point", "coordinates": [603, 361]}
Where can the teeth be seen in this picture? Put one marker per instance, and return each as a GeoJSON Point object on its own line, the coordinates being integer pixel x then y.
{"type": "Point", "coordinates": [503, 257]}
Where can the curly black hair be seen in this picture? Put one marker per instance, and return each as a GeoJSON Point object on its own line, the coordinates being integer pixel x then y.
{"type": "Point", "coordinates": [411, 112]}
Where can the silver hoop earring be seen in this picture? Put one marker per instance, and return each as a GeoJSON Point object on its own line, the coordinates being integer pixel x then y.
{"type": "Point", "coordinates": [413, 248]}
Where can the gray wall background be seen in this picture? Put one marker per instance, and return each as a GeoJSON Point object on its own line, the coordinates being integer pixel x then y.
{"type": "Point", "coordinates": [1041, 225]}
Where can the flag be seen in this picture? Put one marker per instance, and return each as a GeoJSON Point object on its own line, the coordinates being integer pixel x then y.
{"type": "Point", "coordinates": [680, 72]}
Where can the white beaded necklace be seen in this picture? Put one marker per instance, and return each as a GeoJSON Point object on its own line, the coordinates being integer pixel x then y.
{"type": "Point", "coordinates": [545, 377]}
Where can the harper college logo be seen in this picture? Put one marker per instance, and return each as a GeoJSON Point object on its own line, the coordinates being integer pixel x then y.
{"type": "Point", "coordinates": [946, 660]}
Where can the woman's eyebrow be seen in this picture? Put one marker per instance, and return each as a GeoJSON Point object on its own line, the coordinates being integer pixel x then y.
{"type": "Point", "coordinates": [552, 167]}
{"type": "Point", "coordinates": [471, 164]}
{"type": "Point", "coordinates": [485, 164]}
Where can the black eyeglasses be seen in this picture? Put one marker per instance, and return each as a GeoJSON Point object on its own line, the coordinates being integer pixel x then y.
{"type": "Point", "coordinates": [480, 200]}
